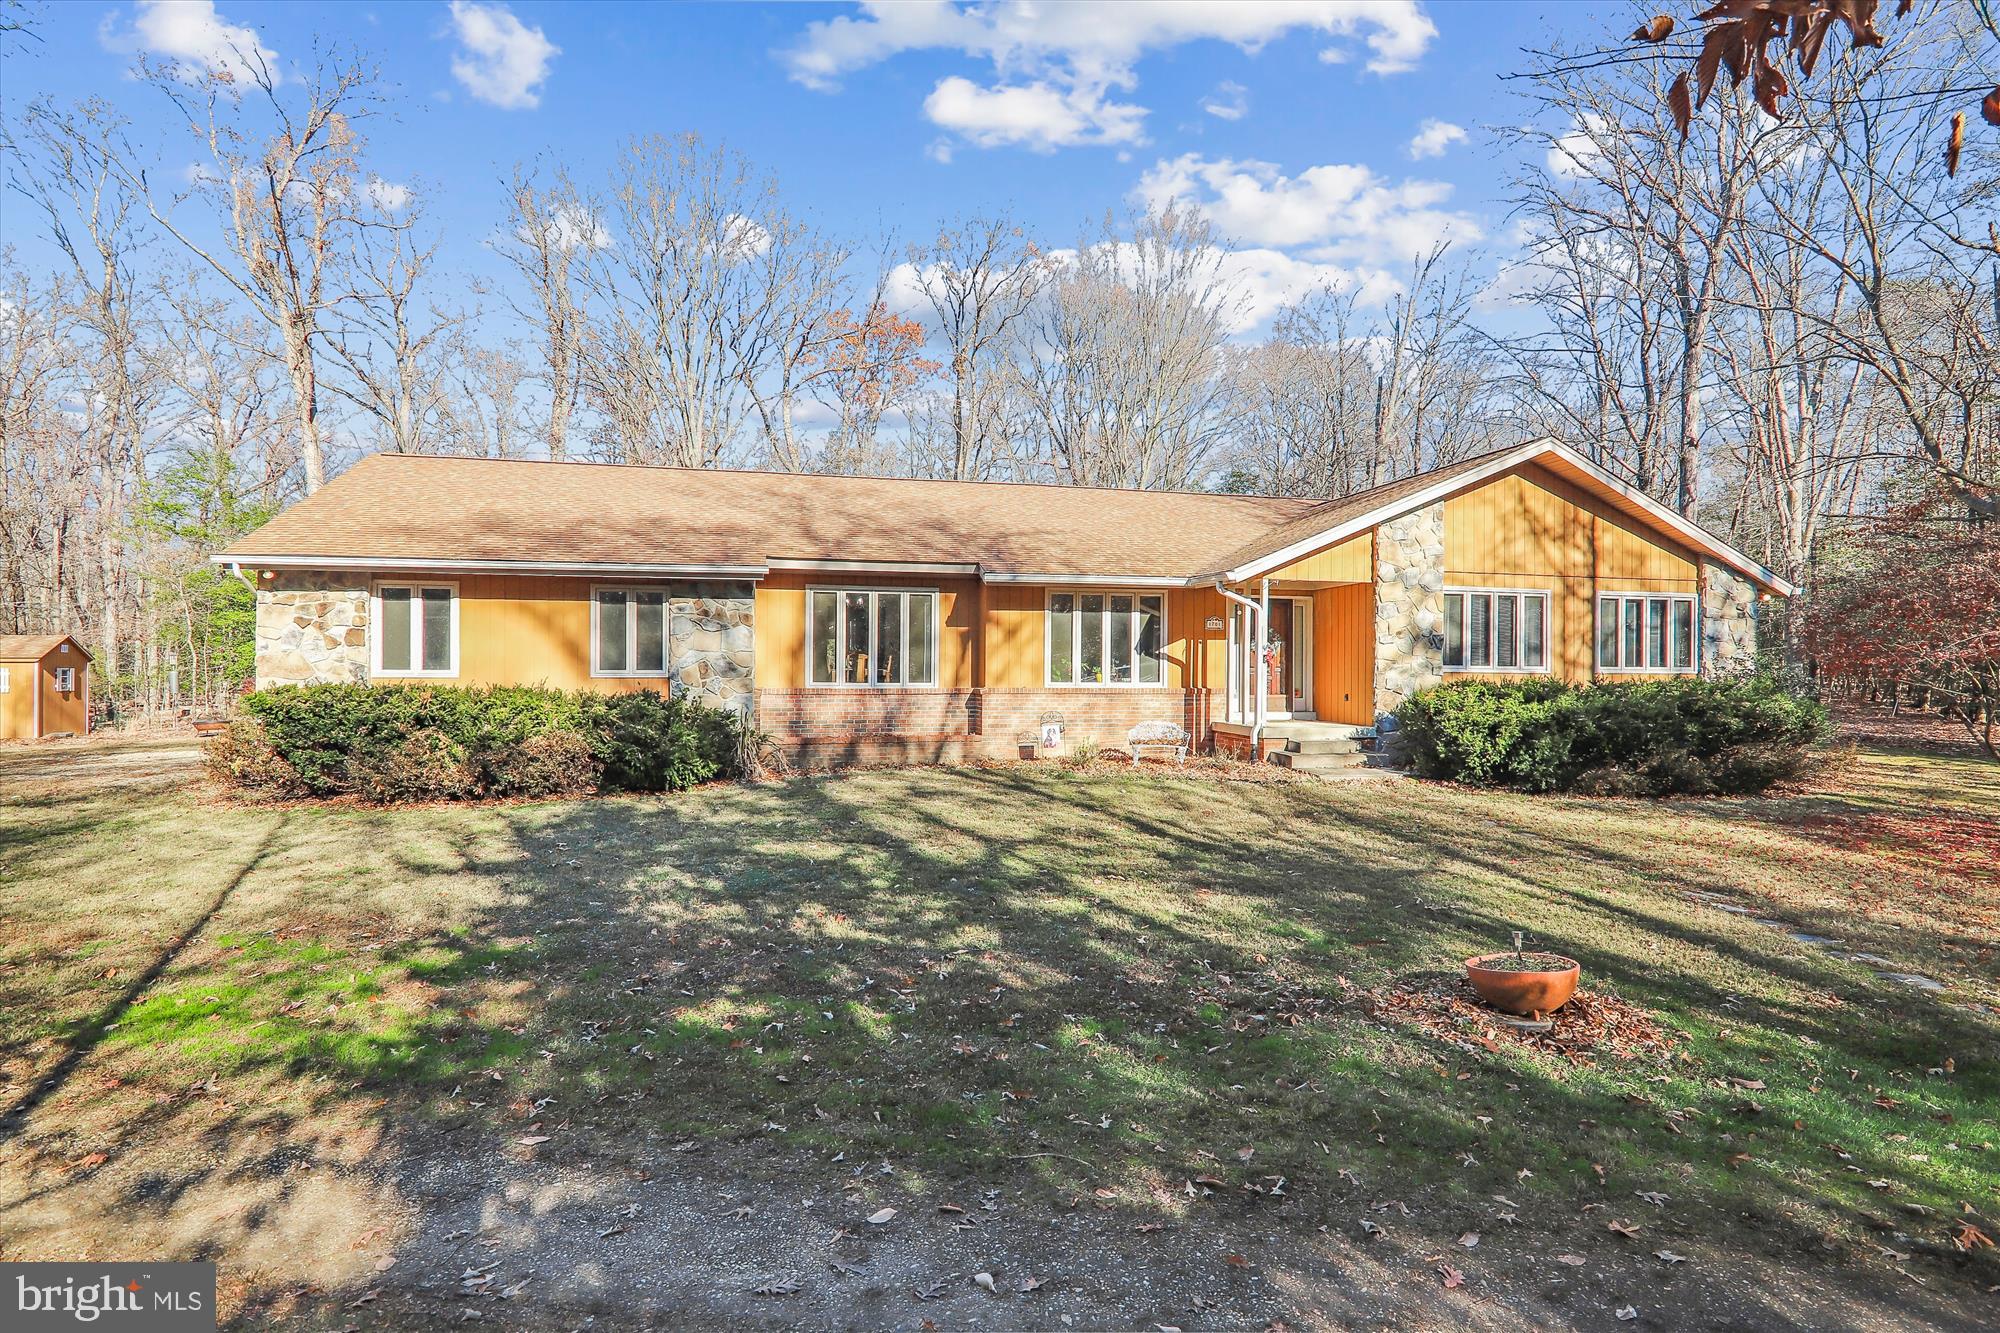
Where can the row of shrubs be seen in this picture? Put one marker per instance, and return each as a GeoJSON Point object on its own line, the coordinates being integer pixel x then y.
{"type": "Point", "coordinates": [439, 743]}
{"type": "Point", "coordinates": [1654, 738]}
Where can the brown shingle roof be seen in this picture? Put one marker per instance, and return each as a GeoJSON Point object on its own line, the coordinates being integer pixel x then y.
{"type": "Point", "coordinates": [33, 647]}
{"type": "Point", "coordinates": [406, 507]}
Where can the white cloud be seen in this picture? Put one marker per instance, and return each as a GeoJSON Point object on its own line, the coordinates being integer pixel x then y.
{"type": "Point", "coordinates": [1270, 280]}
{"type": "Point", "coordinates": [387, 195]}
{"type": "Point", "coordinates": [1345, 210]}
{"type": "Point", "coordinates": [501, 60]}
{"type": "Point", "coordinates": [1056, 66]}
{"type": "Point", "coordinates": [746, 239]}
{"type": "Point", "coordinates": [1229, 101]}
{"type": "Point", "coordinates": [194, 38]}
{"type": "Point", "coordinates": [1433, 137]}
{"type": "Point", "coordinates": [1039, 116]}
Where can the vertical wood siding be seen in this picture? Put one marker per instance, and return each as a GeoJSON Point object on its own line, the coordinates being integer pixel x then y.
{"type": "Point", "coordinates": [1530, 529]}
{"type": "Point", "coordinates": [1344, 653]}
{"type": "Point", "coordinates": [1350, 562]}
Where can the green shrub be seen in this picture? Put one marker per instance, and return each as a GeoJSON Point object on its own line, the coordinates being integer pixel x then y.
{"type": "Point", "coordinates": [1651, 738]}
{"type": "Point", "coordinates": [433, 742]}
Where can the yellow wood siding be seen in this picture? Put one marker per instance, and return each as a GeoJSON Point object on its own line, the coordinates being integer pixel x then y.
{"type": "Point", "coordinates": [1530, 529]}
{"type": "Point", "coordinates": [64, 711]}
{"type": "Point", "coordinates": [17, 705]}
{"type": "Point", "coordinates": [1350, 562]}
{"type": "Point", "coordinates": [781, 623]}
{"type": "Point", "coordinates": [1344, 653]}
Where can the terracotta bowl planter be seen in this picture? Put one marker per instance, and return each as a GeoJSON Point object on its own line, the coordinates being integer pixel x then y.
{"type": "Point", "coordinates": [1522, 992]}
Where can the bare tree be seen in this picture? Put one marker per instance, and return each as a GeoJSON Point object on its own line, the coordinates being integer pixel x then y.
{"type": "Point", "coordinates": [549, 233]}
{"type": "Point", "coordinates": [389, 340]}
{"type": "Point", "coordinates": [282, 181]}
{"type": "Point", "coordinates": [981, 275]}
{"type": "Point", "coordinates": [1120, 360]}
{"type": "Point", "coordinates": [484, 417]}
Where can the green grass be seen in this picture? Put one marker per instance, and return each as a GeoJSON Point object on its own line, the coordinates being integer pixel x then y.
{"type": "Point", "coordinates": [972, 973]}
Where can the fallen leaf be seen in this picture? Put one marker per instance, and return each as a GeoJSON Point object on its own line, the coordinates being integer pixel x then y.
{"type": "Point", "coordinates": [1622, 1227]}
{"type": "Point", "coordinates": [1371, 1229]}
{"type": "Point", "coordinates": [1969, 1238]}
{"type": "Point", "coordinates": [1450, 1276]}
{"type": "Point", "coordinates": [1670, 1256]}
{"type": "Point", "coordinates": [385, 1263]}
{"type": "Point", "coordinates": [1469, 1240]}
{"type": "Point", "coordinates": [1748, 1084]}
{"type": "Point", "coordinates": [1650, 1196]}
{"type": "Point", "coordinates": [1031, 1284]}
{"type": "Point", "coordinates": [1235, 1261]}
{"type": "Point", "coordinates": [886, 1215]}
{"type": "Point", "coordinates": [985, 1280]}
{"type": "Point", "coordinates": [530, 1140]}
{"type": "Point", "coordinates": [1627, 1312]}
{"type": "Point", "coordinates": [1573, 1260]}
{"type": "Point", "coordinates": [772, 1286]}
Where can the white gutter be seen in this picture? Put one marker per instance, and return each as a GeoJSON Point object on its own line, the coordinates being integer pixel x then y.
{"type": "Point", "coordinates": [878, 567]}
{"type": "Point", "coordinates": [397, 563]}
{"type": "Point", "coordinates": [1253, 662]}
{"type": "Point", "coordinates": [1097, 580]}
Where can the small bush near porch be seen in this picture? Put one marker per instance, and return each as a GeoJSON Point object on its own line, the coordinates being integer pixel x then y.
{"type": "Point", "coordinates": [436, 742]}
{"type": "Point", "coordinates": [1654, 738]}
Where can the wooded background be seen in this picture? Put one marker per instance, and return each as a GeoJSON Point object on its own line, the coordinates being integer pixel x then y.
{"type": "Point", "coordinates": [1788, 328]}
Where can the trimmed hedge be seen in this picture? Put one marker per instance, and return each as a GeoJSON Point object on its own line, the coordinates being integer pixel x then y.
{"type": "Point", "coordinates": [1652, 738]}
{"type": "Point", "coordinates": [431, 742]}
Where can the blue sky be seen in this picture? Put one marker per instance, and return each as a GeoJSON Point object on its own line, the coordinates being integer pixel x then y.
{"type": "Point", "coordinates": [1296, 126]}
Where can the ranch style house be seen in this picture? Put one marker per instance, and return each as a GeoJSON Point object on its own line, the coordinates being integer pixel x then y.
{"type": "Point", "coordinates": [865, 619]}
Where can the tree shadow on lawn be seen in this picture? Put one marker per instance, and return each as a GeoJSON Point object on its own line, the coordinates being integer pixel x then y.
{"type": "Point", "coordinates": [963, 974]}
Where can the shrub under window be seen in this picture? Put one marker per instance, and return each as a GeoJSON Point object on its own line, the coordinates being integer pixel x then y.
{"type": "Point", "coordinates": [1651, 738]}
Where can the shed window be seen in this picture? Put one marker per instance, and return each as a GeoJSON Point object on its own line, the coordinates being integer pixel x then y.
{"type": "Point", "coordinates": [1106, 638]}
{"type": "Point", "coordinates": [1496, 629]}
{"type": "Point", "coordinates": [1645, 632]}
{"type": "Point", "coordinates": [630, 633]}
{"type": "Point", "coordinates": [416, 630]}
{"type": "Point", "coordinates": [872, 636]}
{"type": "Point", "coordinates": [65, 680]}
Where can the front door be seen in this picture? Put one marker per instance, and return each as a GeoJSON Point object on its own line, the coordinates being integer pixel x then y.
{"type": "Point", "coordinates": [1288, 664]}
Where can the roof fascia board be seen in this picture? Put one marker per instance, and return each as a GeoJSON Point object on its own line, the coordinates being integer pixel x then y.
{"type": "Point", "coordinates": [1095, 580]}
{"type": "Point", "coordinates": [488, 566]}
{"type": "Point", "coordinates": [962, 569]}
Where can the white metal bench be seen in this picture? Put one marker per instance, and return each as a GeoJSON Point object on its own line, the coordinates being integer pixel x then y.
{"type": "Point", "coordinates": [1161, 738]}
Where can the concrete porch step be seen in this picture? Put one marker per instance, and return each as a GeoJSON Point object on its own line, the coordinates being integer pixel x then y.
{"type": "Point", "coordinates": [1318, 762]}
{"type": "Point", "coordinates": [1322, 745]}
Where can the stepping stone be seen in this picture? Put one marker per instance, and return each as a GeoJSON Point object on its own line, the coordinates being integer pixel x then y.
{"type": "Point", "coordinates": [1912, 980]}
{"type": "Point", "coordinates": [1807, 937]}
{"type": "Point", "coordinates": [1873, 959]}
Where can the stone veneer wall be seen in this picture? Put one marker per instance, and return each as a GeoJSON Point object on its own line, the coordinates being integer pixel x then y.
{"type": "Point", "coordinates": [1409, 606]}
{"type": "Point", "coordinates": [1728, 621]}
{"type": "Point", "coordinates": [711, 645]}
{"type": "Point", "coordinates": [312, 628]}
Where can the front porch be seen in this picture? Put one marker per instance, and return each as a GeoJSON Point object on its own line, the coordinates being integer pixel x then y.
{"type": "Point", "coordinates": [1304, 744]}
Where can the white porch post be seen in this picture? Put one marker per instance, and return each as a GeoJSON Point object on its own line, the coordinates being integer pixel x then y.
{"type": "Point", "coordinates": [1231, 668]}
{"type": "Point", "coordinates": [1263, 667]}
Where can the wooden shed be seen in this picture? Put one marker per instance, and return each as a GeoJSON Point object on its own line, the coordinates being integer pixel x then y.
{"type": "Point", "coordinates": [44, 686]}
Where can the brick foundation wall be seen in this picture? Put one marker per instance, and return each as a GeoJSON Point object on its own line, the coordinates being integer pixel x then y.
{"type": "Point", "coordinates": [841, 728]}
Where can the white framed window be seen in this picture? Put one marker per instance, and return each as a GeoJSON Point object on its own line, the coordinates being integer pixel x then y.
{"type": "Point", "coordinates": [885, 637]}
{"type": "Point", "coordinates": [628, 631]}
{"type": "Point", "coordinates": [1106, 638]}
{"type": "Point", "coordinates": [65, 680]}
{"type": "Point", "coordinates": [415, 629]}
{"type": "Point", "coordinates": [1647, 632]}
{"type": "Point", "coordinates": [1496, 629]}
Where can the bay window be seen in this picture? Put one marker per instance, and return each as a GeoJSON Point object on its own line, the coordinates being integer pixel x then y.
{"type": "Point", "coordinates": [871, 636]}
{"type": "Point", "coordinates": [1496, 629]}
{"type": "Point", "coordinates": [1106, 638]}
{"type": "Point", "coordinates": [1645, 632]}
{"type": "Point", "coordinates": [416, 629]}
{"type": "Point", "coordinates": [628, 634]}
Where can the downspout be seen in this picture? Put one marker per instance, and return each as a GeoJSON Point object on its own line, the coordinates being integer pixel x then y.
{"type": "Point", "coordinates": [1252, 637]}
{"type": "Point", "coordinates": [236, 568]}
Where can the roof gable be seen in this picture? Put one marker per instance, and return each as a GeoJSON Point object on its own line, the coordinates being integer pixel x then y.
{"type": "Point", "coordinates": [34, 647]}
{"type": "Point", "coordinates": [1338, 520]}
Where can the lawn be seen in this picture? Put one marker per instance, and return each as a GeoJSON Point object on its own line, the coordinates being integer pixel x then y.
{"type": "Point", "coordinates": [1147, 1032]}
